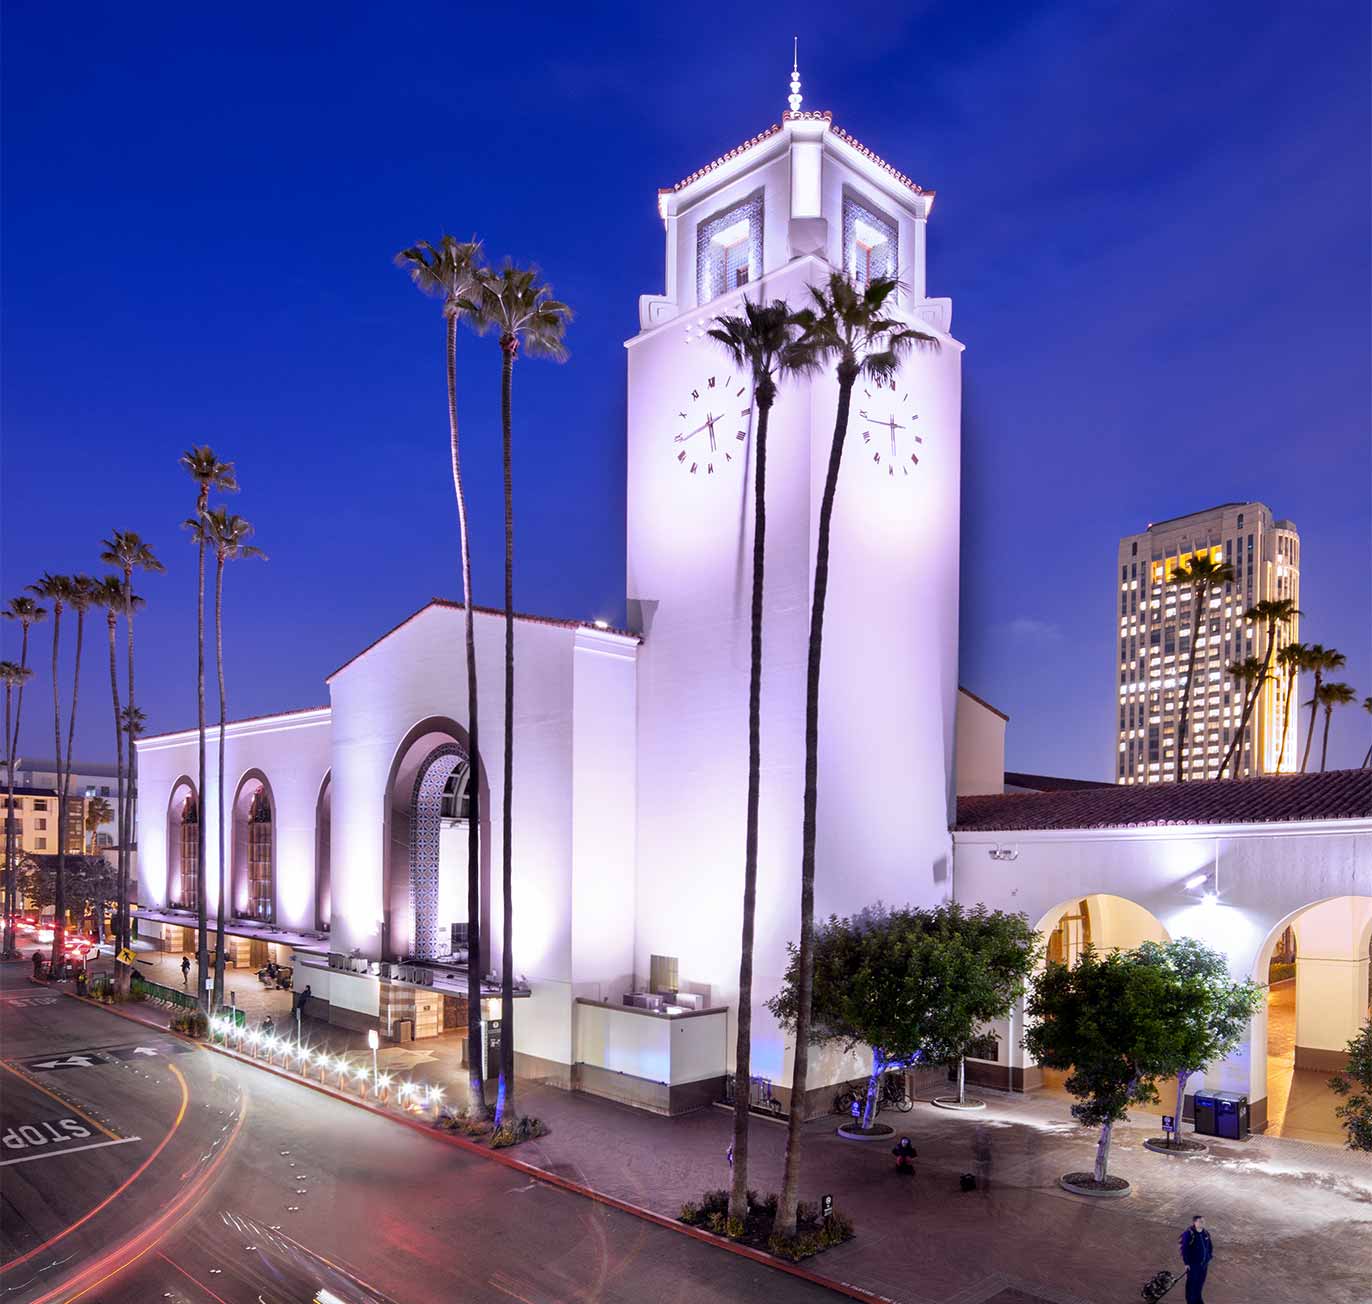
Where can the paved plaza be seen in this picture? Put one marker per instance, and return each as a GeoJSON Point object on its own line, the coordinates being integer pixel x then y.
{"type": "Point", "coordinates": [1292, 1219]}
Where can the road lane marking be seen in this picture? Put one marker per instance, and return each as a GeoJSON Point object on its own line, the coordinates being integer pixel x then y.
{"type": "Point", "coordinates": [68, 1150]}
{"type": "Point", "coordinates": [188, 1277]}
{"type": "Point", "coordinates": [121, 1188]}
{"type": "Point", "coordinates": [24, 1077]}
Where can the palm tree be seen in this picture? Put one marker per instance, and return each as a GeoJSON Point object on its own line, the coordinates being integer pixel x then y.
{"type": "Point", "coordinates": [1201, 574]}
{"type": "Point", "coordinates": [228, 536]}
{"type": "Point", "coordinates": [846, 324]}
{"type": "Point", "coordinates": [522, 311]}
{"type": "Point", "coordinates": [449, 271]}
{"type": "Point", "coordinates": [13, 676]}
{"type": "Point", "coordinates": [27, 612]}
{"type": "Point", "coordinates": [127, 551]}
{"type": "Point", "coordinates": [1291, 657]}
{"type": "Point", "coordinates": [98, 812]}
{"type": "Point", "coordinates": [209, 474]}
{"type": "Point", "coordinates": [757, 343]}
{"type": "Point", "coordinates": [1271, 612]}
{"type": "Point", "coordinates": [1248, 677]}
{"type": "Point", "coordinates": [1367, 706]}
{"type": "Point", "coordinates": [82, 598]}
{"type": "Point", "coordinates": [1321, 660]}
{"type": "Point", "coordinates": [1331, 695]}
{"type": "Point", "coordinates": [59, 590]}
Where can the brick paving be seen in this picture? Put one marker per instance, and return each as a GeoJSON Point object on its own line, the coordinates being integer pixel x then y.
{"type": "Point", "coordinates": [1292, 1219]}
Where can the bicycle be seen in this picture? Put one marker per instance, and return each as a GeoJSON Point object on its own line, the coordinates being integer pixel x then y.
{"type": "Point", "coordinates": [892, 1094]}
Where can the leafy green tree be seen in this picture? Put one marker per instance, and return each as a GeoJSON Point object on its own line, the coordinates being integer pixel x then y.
{"type": "Point", "coordinates": [850, 326]}
{"type": "Point", "coordinates": [1320, 660]}
{"type": "Point", "coordinates": [1272, 613]}
{"type": "Point", "coordinates": [450, 271]}
{"type": "Point", "coordinates": [1200, 574]}
{"type": "Point", "coordinates": [1214, 1010]}
{"type": "Point", "coordinates": [1355, 1084]}
{"type": "Point", "coordinates": [202, 464]}
{"type": "Point", "coordinates": [1108, 1021]}
{"type": "Point", "coordinates": [910, 984]}
{"type": "Point", "coordinates": [1330, 695]}
{"type": "Point", "coordinates": [521, 310]}
{"type": "Point", "coordinates": [756, 343]}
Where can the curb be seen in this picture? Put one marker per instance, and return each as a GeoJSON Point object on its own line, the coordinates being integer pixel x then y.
{"type": "Point", "coordinates": [517, 1165]}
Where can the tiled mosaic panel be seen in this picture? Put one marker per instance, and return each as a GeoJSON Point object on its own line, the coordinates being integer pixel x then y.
{"type": "Point", "coordinates": [712, 273]}
{"type": "Point", "coordinates": [430, 941]}
{"type": "Point", "coordinates": [885, 258]}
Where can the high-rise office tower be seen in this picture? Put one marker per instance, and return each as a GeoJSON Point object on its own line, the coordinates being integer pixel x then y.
{"type": "Point", "coordinates": [1155, 621]}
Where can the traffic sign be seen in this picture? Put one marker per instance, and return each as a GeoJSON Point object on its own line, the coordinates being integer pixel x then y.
{"type": "Point", "coordinates": [124, 956]}
{"type": "Point", "coordinates": [1169, 1123]}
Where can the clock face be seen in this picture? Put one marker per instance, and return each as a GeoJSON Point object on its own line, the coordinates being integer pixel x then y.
{"type": "Point", "coordinates": [888, 423]}
{"type": "Point", "coordinates": [710, 424]}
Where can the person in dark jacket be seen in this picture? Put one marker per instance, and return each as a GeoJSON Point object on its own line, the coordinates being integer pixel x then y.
{"type": "Point", "coordinates": [904, 1151]}
{"type": "Point", "coordinates": [185, 971]}
{"type": "Point", "coordinates": [1197, 1250]}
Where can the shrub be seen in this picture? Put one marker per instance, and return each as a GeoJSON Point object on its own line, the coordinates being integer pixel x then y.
{"type": "Point", "coordinates": [814, 1234]}
{"type": "Point", "coordinates": [800, 1246]}
{"type": "Point", "coordinates": [191, 1023]}
{"type": "Point", "coordinates": [690, 1214]}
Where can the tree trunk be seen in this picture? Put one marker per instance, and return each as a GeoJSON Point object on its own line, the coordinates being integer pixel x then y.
{"type": "Point", "coordinates": [1324, 744]}
{"type": "Point", "coordinates": [12, 742]}
{"type": "Point", "coordinates": [1286, 715]}
{"type": "Point", "coordinates": [1367, 760]}
{"type": "Point", "coordinates": [505, 1099]}
{"type": "Point", "coordinates": [201, 873]}
{"type": "Point", "coordinates": [790, 1187]}
{"type": "Point", "coordinates": [1103, 1152]}
{"type": "Point", "coordinates": [59, 903]}
{"type": "Point", "coordinates": [1235, 751]}
{"type": "Point", "coordinates": [1314, 708]}
{"type": "Point", "coordinates": [131, 792]}
{"type": "Point", "coordinates": [962, 1079]}
{"type": "Point", "coordinates": [743, 1047]}
{"type": "Point", "coordinates": [123, 972]}
{"type": "Point", "coordinates": [1182, 1078]}
{"type": "Point", "coordinates": [869, 1106]}
{"type": "Point", "coordinates": [475, 1077]}
{"type": "Point", "coordinates": [1198, 596]}
{"type": "Point", "coordinates": [219, 779]}
{"type": "Point", "coordinates": [71, 733]}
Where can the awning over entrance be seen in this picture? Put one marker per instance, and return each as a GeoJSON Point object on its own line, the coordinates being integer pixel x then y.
{"type": "Point", "coordinates": [248, 928]}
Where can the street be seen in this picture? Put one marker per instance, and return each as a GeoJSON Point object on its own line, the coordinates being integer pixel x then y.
{"type": "Point", "coordinates": [136, 1167]}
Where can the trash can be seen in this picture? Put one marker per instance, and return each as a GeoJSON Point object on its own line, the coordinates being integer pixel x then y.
{"type": "Point", "coordinates": [1222, 1114]}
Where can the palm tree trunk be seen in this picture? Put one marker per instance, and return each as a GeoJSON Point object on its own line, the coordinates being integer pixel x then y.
{"type": "Point", "coordinates": [201, 879]}
{"type": "Point", "coordinates": [71, 731]}
{"type": "Point", "coordinates": [1198, 597]}
{"type": "Point", "coordinates": [12, 739]}
{"type": "Point", "coordinates": [219, 778]}
{"type": "Point", "coordinates": [1286, 715]}
{"type": "Point", "coordinates": [131, 791]}
{"type": "Point", "coordinates": [1314, 707]}
{"type": "Point", "coordinates": [9, 820]}
{"type": "Point", "coordinates": [1324, 744]}
{"type": "Point", "coordinates": [1250, 701]}
{"type": "Point", "coordinates": [506, 1094]}
{"type": "Point", "coordinates": [120, 905]}
{"type": "Point", "coordinates": [790, 1186]}
{"type": "Point", "coordinates": [476, 1081]}
{"type": "Point", "coordinates": [743, 1048]}
{"type": "Point", "coordinates": [59, 904]}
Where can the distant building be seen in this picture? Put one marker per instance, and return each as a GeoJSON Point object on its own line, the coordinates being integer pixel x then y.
{"type": "Point", "coordinates": [35, 821]}
{"type": "Point", "coordinates": [1155, 621]}
{"type": "Point", "coordinates": [88, 780]}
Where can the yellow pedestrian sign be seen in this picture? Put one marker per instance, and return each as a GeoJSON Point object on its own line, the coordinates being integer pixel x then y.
{"type": "Point", "coordinates": [124, 956]}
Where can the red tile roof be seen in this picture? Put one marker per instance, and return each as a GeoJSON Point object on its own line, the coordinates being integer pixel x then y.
{"type": "Point", "coordinates": [1271, 799]}
{"type": "Point", "coordinates": [808, 115]}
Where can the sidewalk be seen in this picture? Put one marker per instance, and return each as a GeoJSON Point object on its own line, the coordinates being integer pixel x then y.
{"type": "Point", "coordinates": [1292, 1220]}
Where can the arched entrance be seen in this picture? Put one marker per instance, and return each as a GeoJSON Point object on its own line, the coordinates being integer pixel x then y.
{"type": "Point", "coordinates": [1317, 966]}
{"type": "Point", "coordinates": [428, 809]}
{"type": "Point", "coordinates": [323, 855]}
{"type": "Point", "coordinates": [253, 879]}
{"type": "Point", "coordinates": [183, 844]}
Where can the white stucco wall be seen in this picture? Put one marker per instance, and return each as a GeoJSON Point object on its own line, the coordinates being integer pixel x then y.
{"type": "Point", "coordinates": [980, 748]}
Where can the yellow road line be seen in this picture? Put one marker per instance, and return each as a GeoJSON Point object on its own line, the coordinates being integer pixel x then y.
{"type": "Point", "coordinates": [66, 1104]}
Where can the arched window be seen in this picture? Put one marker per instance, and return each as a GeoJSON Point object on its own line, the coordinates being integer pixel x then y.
{"type": "Point", "coordinates": [456, 800]}
{"type": "Point", "coordinates": [189, 833]}
{"type": "Point", "coordinates": [260, 857]}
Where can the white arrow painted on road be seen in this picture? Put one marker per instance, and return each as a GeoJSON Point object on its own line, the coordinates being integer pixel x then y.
{"type": "Point", "coordinates": [144, 1050]}
{"type": "Point", "coordinates": [71, 1062]}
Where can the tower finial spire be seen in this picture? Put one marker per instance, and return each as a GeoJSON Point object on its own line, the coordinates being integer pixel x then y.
{"type": "Point", "coordinates": [795, 97]}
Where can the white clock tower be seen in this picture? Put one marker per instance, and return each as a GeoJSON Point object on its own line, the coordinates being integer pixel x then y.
{"type": "Point", "coordinates": [767, 220]}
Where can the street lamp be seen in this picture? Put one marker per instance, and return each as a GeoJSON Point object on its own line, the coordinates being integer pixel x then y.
{"type": "Point", "coordinates": [374, 1042]}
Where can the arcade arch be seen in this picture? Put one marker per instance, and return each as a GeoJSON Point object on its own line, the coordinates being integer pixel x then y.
{"type": "Point", "coordinates": [428, 807]}
{"type": "Point", "coordinates": [183, 844]}
{"type": "Point", "coordinates": [253, 877]}
{"type": "Point", "coordinates": [1317, 967]}
{"type": "Point", "coordinates": [323, 854]}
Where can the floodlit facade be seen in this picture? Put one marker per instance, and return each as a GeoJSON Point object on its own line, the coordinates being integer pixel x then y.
{"type": "Point", "coordinates": [1155, 620]}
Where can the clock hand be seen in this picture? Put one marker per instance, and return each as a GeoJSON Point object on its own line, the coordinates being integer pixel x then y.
{"type": "Point", "coordinates": [681, 439]}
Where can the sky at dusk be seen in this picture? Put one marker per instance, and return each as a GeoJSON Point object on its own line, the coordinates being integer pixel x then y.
{"type": "Point", "coordinates": [1153, 221]}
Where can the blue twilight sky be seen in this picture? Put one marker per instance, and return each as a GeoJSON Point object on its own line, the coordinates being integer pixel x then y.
{"type": "Point", "coordinates": [1153, 221]}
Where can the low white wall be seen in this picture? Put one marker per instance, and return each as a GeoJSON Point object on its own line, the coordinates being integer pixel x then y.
{"type": "Point", "coordinates": [655, 1049]}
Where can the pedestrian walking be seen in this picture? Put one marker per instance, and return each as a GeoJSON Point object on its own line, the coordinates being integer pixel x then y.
{"type": "Point", "coordinates": [1197, 1249]}
{"type": "Point", "coordinates": [186, 971]}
